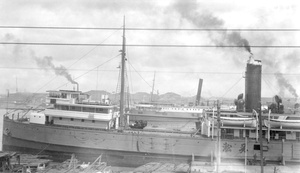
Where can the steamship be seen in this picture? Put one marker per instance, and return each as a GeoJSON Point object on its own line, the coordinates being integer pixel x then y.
{"type": "Point", "coordinates": [167, 116]}
{"type": "Point", "coordinates": [75, 124]}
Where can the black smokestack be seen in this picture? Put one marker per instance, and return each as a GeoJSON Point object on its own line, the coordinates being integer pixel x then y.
{"type": "Point", "coordinates": [46, 63]}
{"type": "Point", "coordinates": [198, 97]}
{"type": "Point", "coordinates": [253, 85]}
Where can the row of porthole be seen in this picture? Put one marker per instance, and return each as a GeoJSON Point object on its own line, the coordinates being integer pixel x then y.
{"type": "Point", "coordinates": [72, 119]}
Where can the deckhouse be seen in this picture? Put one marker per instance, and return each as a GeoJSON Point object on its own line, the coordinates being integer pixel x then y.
{"type": "Point", "coordinates": [74, 108]}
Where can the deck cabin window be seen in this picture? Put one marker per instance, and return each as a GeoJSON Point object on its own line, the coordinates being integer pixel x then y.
{"type": "Point", "coordinates": [101, 110]}
{"type": "Point", "coordinates": [63, 107]}
{"type": "Point", "coordinates": [63, 95]}
{"type": "Point", "coordinates": [74, 96]}
{"type": "Point", "coordinates": [52, 101]}
{"type": "Point", "coordinates": [72, 119]}
{"type": "Point", "coordinates": [75, 108]}
{"type": "Point", "coordinates": [60, 118]}
{"type": "Point", "coordinates": [54, 94]}
{"type": "Point", "coordinates": [87, 109]}
{"type": "Point", "coordinates": [82, 120]}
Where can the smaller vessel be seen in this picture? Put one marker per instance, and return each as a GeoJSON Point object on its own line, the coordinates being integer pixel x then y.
{"type": "Point", "coordinates": [164, 117]}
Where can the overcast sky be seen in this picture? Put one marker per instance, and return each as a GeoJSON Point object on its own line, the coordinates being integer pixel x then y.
{"type": "Point", "coordinates": [178, 70]}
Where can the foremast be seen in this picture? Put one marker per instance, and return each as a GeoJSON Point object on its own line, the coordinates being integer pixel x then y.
{"type": "Point", "coordinates": [123, 123]}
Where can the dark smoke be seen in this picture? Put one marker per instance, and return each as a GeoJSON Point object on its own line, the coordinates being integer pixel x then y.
{"type": "Point", "coordinates": [11, 38]}
{"type": "Point", "coordinates": [284, 84]}
{"type": "Point", "coordinates": [235, 38]}
{"type": "Point", "coordinates": [46, 63]}
{"type": "Point", "coordinates": [190, 11]}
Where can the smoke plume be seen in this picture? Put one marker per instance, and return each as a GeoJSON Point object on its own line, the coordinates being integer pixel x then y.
{"type": "Point", "coordinates": [190, 10]}
{"type": "Point", "coordinates": [194, 13]}
{"type": "Point", "coordinates": [284, 84]}
{"type": "Point", "coordinates": [235, 38]}
{"type": "Point", "coordinates": [46, 63]}
{"type": "Point", "coordinates": [17, 49]}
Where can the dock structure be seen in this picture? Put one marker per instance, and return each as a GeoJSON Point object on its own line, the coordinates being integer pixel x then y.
{"type": "Point", "coordinates": [5, 164]}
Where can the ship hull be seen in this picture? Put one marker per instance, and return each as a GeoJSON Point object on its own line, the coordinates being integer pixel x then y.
{"type": "Point", "coordinates": [60, 153]}
{"type": "Point", "coordinates": [128, 147]}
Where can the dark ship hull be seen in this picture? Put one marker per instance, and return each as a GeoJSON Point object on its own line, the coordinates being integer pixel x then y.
{"type": "Point", "coordinates": [116, 148]}
{"type": "Point", "coordinates": [60, 153]}
{"type": "Point", "coordinates": [133, 148]}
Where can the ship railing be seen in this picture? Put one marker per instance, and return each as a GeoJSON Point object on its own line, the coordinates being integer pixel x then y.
{"type": "Point", "coordinates": [79, 127]}
{"type": "Point", "coordinates": [17, 115]}
{"type": "Point", "coordinates": [164, 132]}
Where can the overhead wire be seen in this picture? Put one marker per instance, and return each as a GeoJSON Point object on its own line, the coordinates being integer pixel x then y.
{"type": "Point", "coordinates": [152, 29]}
{"type": "Point", "coordinates": [150, 45]}
{"type": "Point", "coordinates": [146, 71]}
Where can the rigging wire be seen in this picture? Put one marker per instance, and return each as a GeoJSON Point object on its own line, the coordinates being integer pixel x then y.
{"type": "Point", "coordinates": [139, 75]}
{"type": "Point", "coordinates": [268, 84]}
{"type": "Point", "coordinates": [231, 88]}
{"type": "Point", "coordinates": [129, 80]}
{"type": "Point", "coordinates": [93, 69]}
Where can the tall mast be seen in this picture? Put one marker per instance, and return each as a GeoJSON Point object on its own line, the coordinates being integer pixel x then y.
{"type": "Point", "coordinates": [122, 118]}
{"type": "Point", "coordinates": [152, 88]}
{"type": "Point", "coordinates": [16, 84]}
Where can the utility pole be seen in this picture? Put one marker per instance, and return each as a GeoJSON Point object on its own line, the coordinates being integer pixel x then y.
{"type": "Point", "coordinates": [219, 138]}
{"type": "Point", "coordinates": [246, 150]}
{"type": "Point", "coordinates": [260, 140]}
